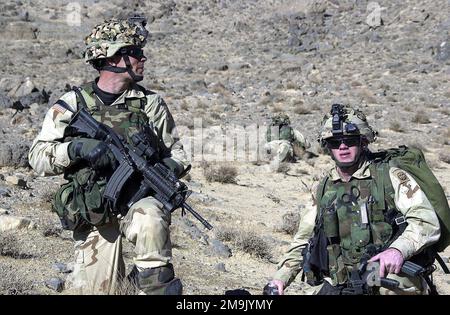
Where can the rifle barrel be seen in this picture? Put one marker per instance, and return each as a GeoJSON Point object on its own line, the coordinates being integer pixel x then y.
{"type": "Point", "coordinates": [197, 216]}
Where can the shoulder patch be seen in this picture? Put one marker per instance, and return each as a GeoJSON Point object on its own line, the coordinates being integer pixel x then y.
{"type": "Point", "coordinates": [401, 175]}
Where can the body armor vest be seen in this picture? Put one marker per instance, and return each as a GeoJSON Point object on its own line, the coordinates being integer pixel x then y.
{"type": "Point", "coordinates": [285, 132]}
{"type": "Point", "coordinates": [125, 119]}
{"type": "Point", "coordinates": [354, 216]}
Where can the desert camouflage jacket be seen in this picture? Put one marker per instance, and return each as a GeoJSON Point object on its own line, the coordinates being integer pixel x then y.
{"type": "Point", "coordinates": [49, 156]}
{"type": "Point", "coordinates": [422, 229]}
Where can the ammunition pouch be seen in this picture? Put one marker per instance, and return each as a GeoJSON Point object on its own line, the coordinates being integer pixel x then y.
{"type": "Point", "coordinates": [80, 201]}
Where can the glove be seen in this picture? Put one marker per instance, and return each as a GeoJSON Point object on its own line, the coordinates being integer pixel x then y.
{"type": "Point", "coordinates": [95, 152]}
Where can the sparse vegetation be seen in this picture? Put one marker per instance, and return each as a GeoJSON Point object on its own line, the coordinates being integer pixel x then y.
{"type": "Point", "coordinates": [289, 224]}
{"type": "Point", "coordinates": [12, 283]}
{"type": "Point", "coordinates": [219, 173]}
{"type": "Point", "coordinates": [396, 126]}
{"type": "Point", "coordinates": [184, 106]}
{"type": "Point", "coordinates": [246, 241]}
{"type": "Point", "coordinates": [421, 118]}
{"type": "Point", "coordinates": [444, 156]}
{"type": "Point", "coordinates": [302, 110]}
{"type": "Point", "coordinates": [283, 168]}
{"type": "Point", "coordinates": [10, 247]}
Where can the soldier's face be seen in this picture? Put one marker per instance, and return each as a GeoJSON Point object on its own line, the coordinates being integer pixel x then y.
{"type": "Point", "coordinates": [346, 149]}
{"type": "Point", "coordinates": [137, 60]}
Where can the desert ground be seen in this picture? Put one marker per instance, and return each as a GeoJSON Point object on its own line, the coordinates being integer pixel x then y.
{"type": "Point", "coordinates": [223, 66]}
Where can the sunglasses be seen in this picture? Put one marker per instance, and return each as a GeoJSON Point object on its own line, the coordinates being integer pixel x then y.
{"type": "Point", "coordinates": [135, 52]}
{"type": "Point", "coordinates": [335, 143]}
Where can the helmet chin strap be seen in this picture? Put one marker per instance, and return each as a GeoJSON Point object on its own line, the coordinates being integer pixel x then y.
{"type": "Point", "coordinates": [135, 77]}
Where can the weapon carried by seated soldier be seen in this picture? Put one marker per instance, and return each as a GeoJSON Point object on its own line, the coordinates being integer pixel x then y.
{"type": "Point", "coordinates": [137, 163]}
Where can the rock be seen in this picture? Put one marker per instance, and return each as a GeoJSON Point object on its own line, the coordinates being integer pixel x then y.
{"type": "Point", "coordinates": [220, 267]}
{"type": "Point", "coordinates": [194, 231]}
{"type": "Point", "coordinates": [5, 101]}
{"type": "Point", "coordinates": [220, 249]}
{"type": "Point", "coordinates": [56, 284]}
{"type": "Point", "coordinates": [34, 97]}
{"type": "Point", "coordinates": [14, 154]}
{"type": "Point", "coordinates": [202, 198]}
{"type": "Point", "coordinates": [14, 180]}
{"type": "Point", "coordinates": [5, 192]}
{"type": "Point", "coordinates": [3, 211]}
{"type": "Point", "coordinates": [25, 88]}
{"type": "Point", "coordinates": [18, 31]}
{"type": "Point", "coordinates": [63, 268]}
{"type": "Point", "coordinates": [442, 52]}
{"type": "Point", "coordinates": [35, 109]}
{"type": "Point", "coordinates": [9, 222]}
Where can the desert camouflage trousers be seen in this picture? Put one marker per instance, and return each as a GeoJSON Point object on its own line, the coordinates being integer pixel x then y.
{"type": "Point", "coordinates": [279, 150]}
{"type": "Point", "coordinates": [99, 266]}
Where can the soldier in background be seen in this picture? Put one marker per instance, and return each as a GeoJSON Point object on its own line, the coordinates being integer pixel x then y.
{"type": "Point", "coordinates": [284, 143]}
{"type": "Point", "coordinates": [115, 49]}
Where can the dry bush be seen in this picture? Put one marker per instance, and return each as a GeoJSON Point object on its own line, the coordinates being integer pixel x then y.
{"type": "Point", "coordinates": [446, 137]}
{"type": "Point", "coordinates": [253, 244]}
{"type": "Point", "coordinates": [127, 287]}
{"type": "Point", "coordinates": [276, 108]}
{"type": "Point", "coordinates": [246, 241]}
{"type": "Point", "coordinates": [226, 234]}
{"type": "Point", "coordinates": [51, 229]}
{"type": "Point", "coordinates": [289, 223]}
{"type": "Point", "coordinates": [302, 110]}
{"type": "Point", "coordinates": [421, 118]}
{"type": "Point", "coordinates": [396, 126]}
{"type": "Point", "coordinates": [283, 168]}
{"type": "Point", "coordinates": [9, 246]}
{"type": "Point", "coordinates": [445, 111]}
{"type": "Point", "coordinates": [12, 282]}
{"type": "Point", "coordinates": [444, 156]}
{"type": "Point", "coordinates": [219, 173]}
{"type": "Point", "coordinates": [184, 106]}
{"type": "Point", "coordinates": [215, 115]}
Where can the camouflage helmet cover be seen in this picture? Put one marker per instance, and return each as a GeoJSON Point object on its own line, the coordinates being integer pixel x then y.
{"type": "Point", "coordinates": [107, 38]}
{"type": "Point", "coordinates": [351, 116]}
{"type": "Point", "coordinates": [280, 119]}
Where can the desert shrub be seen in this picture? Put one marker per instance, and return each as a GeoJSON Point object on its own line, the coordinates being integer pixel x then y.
{"type": "Point", "coordinates": [289, 222]}
{"type": "Point", "coordinates": [396, 126]}
{"type": "Point", "coordinates": [219, 173]}
{"type": "Point", "coordinates": [421, 118]}
{"type": "Point", "coordinates": [445, 157]}
{"type": "Point", "coordinates": [10, 246]}
{"type": "Point", "coordinates": [302, 110]}
{"type": "Point", "coordinates": [12, 282]}
{"type": "Point", "coordinates": [246, 241]}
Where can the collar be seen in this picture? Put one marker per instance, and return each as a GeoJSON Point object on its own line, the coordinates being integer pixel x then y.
{"type": "Point", "coordinates": [362, 172]}
{"type": "Point", "coordinates": [133, 92]}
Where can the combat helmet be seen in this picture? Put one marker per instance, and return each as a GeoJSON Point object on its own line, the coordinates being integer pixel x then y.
{"type": "Point", "coordinates": [345, 121]}
{"type": "Point", "coordinates": [114, 37]}
{"type": "Point", "coordinates": [280, 119]}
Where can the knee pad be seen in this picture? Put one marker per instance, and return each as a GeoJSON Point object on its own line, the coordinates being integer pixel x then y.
{"type": "Point", "coordinates": [157, 281]}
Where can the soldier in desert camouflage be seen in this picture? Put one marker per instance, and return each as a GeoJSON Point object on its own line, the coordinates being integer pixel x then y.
{"type": "Point", "coordinates": [115, 49]}
{"type": "Point", "coordinates": [358, 219]}
{"type": "Point", "coordinates": [284, 143]}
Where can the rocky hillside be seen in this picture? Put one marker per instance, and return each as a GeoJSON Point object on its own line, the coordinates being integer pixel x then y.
{"type": "Point", "coordinates": [231, 64]}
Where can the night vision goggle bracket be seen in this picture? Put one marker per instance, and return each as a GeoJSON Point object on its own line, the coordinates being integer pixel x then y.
{"type": "Point", "coordinates": [338, 118]}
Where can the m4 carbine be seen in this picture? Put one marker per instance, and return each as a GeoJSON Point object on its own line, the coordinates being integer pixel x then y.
{"type": "Point", "coordinates": [138, 163]}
